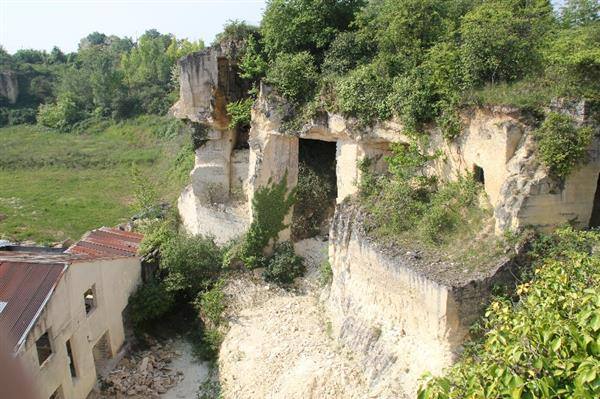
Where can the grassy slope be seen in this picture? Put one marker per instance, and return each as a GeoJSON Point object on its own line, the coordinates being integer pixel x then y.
{"type": "Point", "coordinates": [58, 185]}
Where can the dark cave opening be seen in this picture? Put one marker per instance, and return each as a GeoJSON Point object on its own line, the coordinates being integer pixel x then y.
{"type": "Point", "coordinates": [317, 189]}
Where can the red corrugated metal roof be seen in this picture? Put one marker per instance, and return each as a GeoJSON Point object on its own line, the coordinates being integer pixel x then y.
{"type": "Point", "coordinates": [106, 242]}
{"type": "Point", "coordinates": [25, 288]}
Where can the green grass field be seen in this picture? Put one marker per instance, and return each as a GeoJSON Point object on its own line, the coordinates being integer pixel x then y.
{"type": "Point", "coordinates": [57, 185]}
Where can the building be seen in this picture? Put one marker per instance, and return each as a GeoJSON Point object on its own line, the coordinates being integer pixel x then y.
{"type": "Point", "coordinates": [62, 311]}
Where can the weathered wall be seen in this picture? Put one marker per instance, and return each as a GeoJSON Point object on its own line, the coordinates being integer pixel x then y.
{"type": "Point", "coordinates": [208, 81]}
{"type": "Point", "coordinates": [9, 87]}
{"type": "Point", "coordinates": [497, 139]}
{"type": "Point", "coordinates": [401, 315]}
{"type": "Point", "coordinates": [64, 318]}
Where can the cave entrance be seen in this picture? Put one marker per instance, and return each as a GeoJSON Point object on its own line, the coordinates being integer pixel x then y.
{"type": "Point", "coordinates": [595, 219]}
{"type": "Point", "coordinates": [317, 189]}
{"type": "Point", "coordinates": [478, 174]}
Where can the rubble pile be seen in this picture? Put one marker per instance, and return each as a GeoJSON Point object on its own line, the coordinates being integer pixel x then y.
{"type": "Point", "coordinates": [146, 374]}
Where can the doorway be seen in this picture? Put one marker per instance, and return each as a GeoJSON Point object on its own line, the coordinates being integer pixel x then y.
{"type": "Point", "coordinates": [316, 190]}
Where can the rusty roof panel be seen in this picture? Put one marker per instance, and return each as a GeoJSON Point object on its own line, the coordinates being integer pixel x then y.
{"type": "Point", "coordinates": [107, 243]}
{"type": "Point", "coordinates": [25, 287]}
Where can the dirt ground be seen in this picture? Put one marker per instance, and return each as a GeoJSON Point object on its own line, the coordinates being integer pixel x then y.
{"type": "Point", "coordinates": [279, 343]}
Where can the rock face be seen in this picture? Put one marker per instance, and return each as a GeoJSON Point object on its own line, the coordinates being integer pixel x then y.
{"type": "Point", "coordinates": [208, 81]}
{"type": "Point", "coordinates": [400, 314]}
{"type": "Point", "coordinates": [496, 144]}
{"type": "Point", "coordinates": [9, 87]}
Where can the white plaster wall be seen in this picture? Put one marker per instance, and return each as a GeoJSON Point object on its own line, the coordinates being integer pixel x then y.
{"type": "Point", "coordinates": [64, 317]}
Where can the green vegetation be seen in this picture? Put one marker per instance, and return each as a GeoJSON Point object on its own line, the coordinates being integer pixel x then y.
{"type": "Point", "coordinates": [57, 186]}
{"type": "Point", "coordinates": [424, 60]}
{"type": "Point", "coordinates": [240, 113]}
{"type": "Point", "coordinates": [211, 305]}
{"type": "Point", "coordinates": [325, 273]}
{"type": "Point", "coordinates": [562, 146]}
{"type": "Point", "coordinates": [270, 205]}
{"type": "Point", "coordinates": [191, 264]}
{"type": "Point", "coordinates": [150, 302]}
{"type": "Point", "coordinates": [546, 342]}
{"type": "Point", "coordinates": [284, 265]}
{"type": "Point", "coordinates": [108, 76]}
{"type": "Point", "coordinates": [408, 200]}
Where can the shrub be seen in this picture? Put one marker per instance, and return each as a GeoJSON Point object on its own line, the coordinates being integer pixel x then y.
{"type": "Point", "coordinates": [149, 302]}
{"type": "Point", "coordinates": [20, 116]}
{"type": "Point", "coordinates": [290, 26]}
{"type": "Point", "coordinates": [545, 345]}
{"type": "Point", "coordinates": [500, 40]}
{"type": "Point", "coordinates": [157, 233]}
{"type": "Point", "coordinates": [363, 93]}
{"type": "Point", "coordinates": [314, 193]}
{"type": "Point", "coordinates": [294, 76]}
{"type": "Point", "coordinates": [212, 304]}
{"type": "Point", "coordinates": [408, 200]}
{"type": "Point", "coordinates": [61, 115]}
{"type": "Point", "coordinates": [413, 99]}
{"type": "Point", "coordinates": [192, 264]}
{"type": "Point", "coordinates": [240, 113]}
{"type": "Point", "coordinates": [325, 273]}
{"type": "Point", "coordinates": [561, 145]}
{"type": "Point", "coordinates": [346, 52]}
{"type": "Point", "coordinates": [284, 265]}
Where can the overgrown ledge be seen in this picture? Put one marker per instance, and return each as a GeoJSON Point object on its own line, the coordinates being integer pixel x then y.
{"type": "Point", "coordinates": [404, 312]}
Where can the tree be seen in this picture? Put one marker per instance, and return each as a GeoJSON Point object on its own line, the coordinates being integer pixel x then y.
{"type": "Point", "coordinates": [580, 12]}
{"type": "Point", "coordinates": [295, 76]}
{"type": "Point", "coordinates": [56, 56]}
{"type": "Point", "coordinates": [501, 39]}
{"type": "Point", "coordinates": [291, 26]}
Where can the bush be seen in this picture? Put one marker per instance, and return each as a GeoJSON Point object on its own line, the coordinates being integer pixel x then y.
{"type": "Point", "coordinates": [240, 113]}
{"type": "Point", "coordinates": [149, 302]}
{"type": "Point", "coordinates": [17, 116]}
{"type": "Point", "coordinates": [561, 145]}
{"type": "Point", "coordinates": [291, 26]}
{"type": "Point", "coordinates": [500, 40]}
{"type": "Point", "coordinates": [212, 304]}
{"type": "Point", "coordinates": [192, 264]}
{"type": "Point", "coordinates": [325, 273]}
{"type": "Point", "coordinates": [413, 99]}
{"type": "Point", "coordinates": [314, 194]}
{"type": "Point", "coordinates": [294, 76]}
{"type": "Point", "coordinates": [347, 52]}
{"type": "Point", "coordinates": [363, 93]}
{"type": "Point", "coordinates": [284, 265]}
{"type": "Point", "coordinates": [407, 200]}
{"type": "Point", "coordinates": [545, 345]}
{"type": "Point", "coordinates": [62, 115]}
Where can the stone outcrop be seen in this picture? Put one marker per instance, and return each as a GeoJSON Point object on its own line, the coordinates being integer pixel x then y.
{"type": "Point", "coordinates": [208, 82]}
{"type": "Point", "coordinates": [9, 87]}
{"type": "Point", "coordinates": [402, 313]}
{"type": "Point", "coordinates": [496, 141]}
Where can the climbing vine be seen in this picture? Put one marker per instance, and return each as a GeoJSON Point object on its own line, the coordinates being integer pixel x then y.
{"type": "Point", "coordinates": [270, 205]}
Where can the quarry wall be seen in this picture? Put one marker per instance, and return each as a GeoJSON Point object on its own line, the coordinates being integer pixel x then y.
{"type": "Point", "coordinates": [400, 314]}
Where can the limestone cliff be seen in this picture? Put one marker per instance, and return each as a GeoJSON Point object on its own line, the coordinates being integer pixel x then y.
{"type": "Point", "coordinates": [403, 313]}
{"type": "Point", "coordinates": [398, 313]}
{"type": "Point", "coordinates": [208, 82]}
{"type": "Point", "coordinates": [9, 88]}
